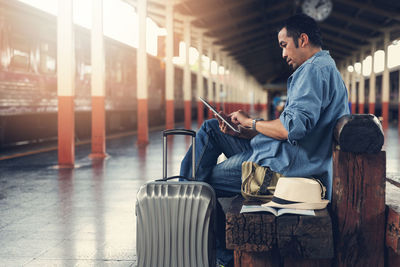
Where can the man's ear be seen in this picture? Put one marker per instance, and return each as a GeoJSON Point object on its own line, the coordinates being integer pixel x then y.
{"type": "Point", "coordinates": [303, 40]}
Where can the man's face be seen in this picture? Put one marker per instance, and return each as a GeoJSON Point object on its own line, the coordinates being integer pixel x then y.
{"type": "Point", "coordinates": [292, 54]}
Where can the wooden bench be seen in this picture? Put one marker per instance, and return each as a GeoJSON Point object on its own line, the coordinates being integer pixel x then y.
{"type": "Point", "coordinates": [261, 239]}
{"type": "Point", "coordinates": [393, 220]}
{"type": "Point", "coordinates": [357, 212]}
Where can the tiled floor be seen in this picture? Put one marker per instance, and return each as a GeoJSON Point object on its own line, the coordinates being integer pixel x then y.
{"type": "Point", "coordinates": [85, 216]}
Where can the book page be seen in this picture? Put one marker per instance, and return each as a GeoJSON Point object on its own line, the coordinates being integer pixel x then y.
{"type": "Point", "coordinates": [296, 211]}
{"type": "Point", "coordinates": [257, 208]}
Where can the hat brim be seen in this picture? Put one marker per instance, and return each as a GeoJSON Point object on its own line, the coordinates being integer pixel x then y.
{"type": "Point", "coordinates": [300, 206]}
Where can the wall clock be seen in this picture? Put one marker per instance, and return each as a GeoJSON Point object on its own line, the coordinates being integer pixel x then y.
{"type": "Point", "coordinates": [317, 9]}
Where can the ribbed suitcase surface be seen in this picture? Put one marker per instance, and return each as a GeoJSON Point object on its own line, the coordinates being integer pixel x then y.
{"type": "Point", "coordinates": [175, 224]}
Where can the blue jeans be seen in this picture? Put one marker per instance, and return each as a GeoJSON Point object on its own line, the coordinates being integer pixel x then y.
{"type": "Point", "coordinates": [224, 177]}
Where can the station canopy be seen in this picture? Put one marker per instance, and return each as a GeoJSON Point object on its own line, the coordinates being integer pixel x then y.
{"type": "Point", "coordinates": [247, 29]}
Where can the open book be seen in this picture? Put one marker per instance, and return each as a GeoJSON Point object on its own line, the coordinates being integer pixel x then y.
{"type": "Point", "coordinates": [276, 212]}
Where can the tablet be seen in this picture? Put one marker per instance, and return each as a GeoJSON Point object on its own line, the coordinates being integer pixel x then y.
{"type": "Point", "coordinates": [219, 115]}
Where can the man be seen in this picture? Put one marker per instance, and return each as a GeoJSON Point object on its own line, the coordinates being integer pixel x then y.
{"type": "Point", "coordinates": [299, 143]}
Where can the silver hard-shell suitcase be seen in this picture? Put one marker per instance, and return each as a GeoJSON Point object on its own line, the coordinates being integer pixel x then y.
{"type": "Point", "coordinates": [175, 220]}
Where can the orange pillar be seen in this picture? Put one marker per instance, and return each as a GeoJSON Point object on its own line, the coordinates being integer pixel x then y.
{"type": "Point", "coordinates": [65, 85]}
{"type": "Point", "coordinates": [218, 82]}
{"type": "Point", "coordinates": [98, 82]}
{"type": "Point", "coordinates": [187, 83]}
{"type": "Point", "coordinates": [98, 127]}
{"type": "Point", "coordinates": [200, 82]}
{"type": "Point", "coordinates": [266, 104]}
{"type": "Point", "coordinates": [398, 109]}
{"type": "Point", "coordinates": [210, 89]}
{"type": "Point", "coordinates": [353, 93]}
{"type": "Point", "coordinates": [141, 59]}
{"type": "Point", "coordinates": [372, 81]}
{"type": "Point", "coordinates": [169, 68]}
{"type": "Point", "coordinates": [361, 86]}
{"type": "Point", "coordinates": [385, 83]}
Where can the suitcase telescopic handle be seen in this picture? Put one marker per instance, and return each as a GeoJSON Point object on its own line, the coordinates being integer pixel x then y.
{"type": "Point", "coordinates": [178, 132]}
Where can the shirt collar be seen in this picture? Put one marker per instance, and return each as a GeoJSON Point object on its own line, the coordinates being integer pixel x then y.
{"type": "Point", "coordinates": [318, 54]}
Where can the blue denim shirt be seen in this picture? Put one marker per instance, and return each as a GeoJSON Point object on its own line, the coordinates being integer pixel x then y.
{"type": "Point", "coordinates": [316, 99]}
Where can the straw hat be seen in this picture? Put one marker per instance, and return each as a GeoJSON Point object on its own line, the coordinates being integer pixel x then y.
{"type": "Point", "coordinates": [299, 193]}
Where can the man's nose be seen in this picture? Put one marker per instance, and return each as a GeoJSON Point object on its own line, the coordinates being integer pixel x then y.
{"type": "Point", "coordinates": [284, 55]}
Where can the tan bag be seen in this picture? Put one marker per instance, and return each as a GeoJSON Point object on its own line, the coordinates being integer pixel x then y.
{"type": "Point", "coordinates": [258, 182]}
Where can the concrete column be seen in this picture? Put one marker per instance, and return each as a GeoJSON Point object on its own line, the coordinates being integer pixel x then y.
{"type": "Point", "coordinates": [98, 82]}
{"type": "Point", "coordinates": [347, 77]}
{"type": "Point", "coordinates": [200, 85]}
{"type": "Point", "coordinates": [223, 83]}
{"type": "Point", "coordinates": [218, 81]}
{"type": "Point", "coordinates": [240, 91]}
{"type": "Point", "coordinates": [65, 84]}
{"type": "Point", "coordinates": [361, 86]}
{"type": "Point", "coordinates": [169, 67]}
{"type": "Point", "coordinates": [187, 83]}
{"type": "Point", "coordinates": [266, 103]}
{"type": "Point", "coordinates": [229, 87]}
{"type": "Point", "coordinates": [353, 94]}
{"type": "Point", "coordinates": [398, 117]}
{"type": "Point", "coordinates": [142, 94]}
{"type": "Point", "coordinates": [372, 82]}
{"type": "Point", "coordinates": [237, 87]}
{"type": "Point", "coordinates": [385, 83]}
{"type": "Point", "coordinates": [210, 91]}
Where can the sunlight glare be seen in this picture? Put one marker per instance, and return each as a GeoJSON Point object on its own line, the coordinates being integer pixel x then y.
{"type": "Point", "coordinates": [350, 69]}
{"type": "Point", "coordinates": [394, 54]}
{"type": "Point", "coordinates": [214, 67]}
{"type": "Point", "coordinates": [379, 61]}
{"type": "Point", "coordinates": [357, 67]}
{"type": "Point", "coordinates": [367, 66]}
{"type": "Point", "coordinates": [120, 21]}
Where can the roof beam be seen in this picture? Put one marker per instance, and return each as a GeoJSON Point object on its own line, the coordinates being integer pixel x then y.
{"type": "Point", "coordinates": [339, 49]}
{"type": "Point", "coordinates": [245, 45]}
{"type": "Point", "coordinates": [272, 10]}
{"type": "Point", "coordinates": [343, 31]}
{"type": "Point", "coordinates": [359, 22]}
{"type": "Point", "coordinates": [224, 8]}
{"type": "Point", "coordinates": [233, 41]}
{"type": "Point", "coordinates": [372, 9]}
{"type": "Point", "coordinates": [331, 38]}
{"type": "Point", "coordinates": [252, 51]}
{"type": "Point", "coordinates": [237, 31]}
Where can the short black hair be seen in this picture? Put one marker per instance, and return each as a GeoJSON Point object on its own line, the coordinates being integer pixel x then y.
{"type": "Point", "coordinates": [301, 23]}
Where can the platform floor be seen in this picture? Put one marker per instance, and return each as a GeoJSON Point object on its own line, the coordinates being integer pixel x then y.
{"type": "Point", "coordinates": [85, 216]}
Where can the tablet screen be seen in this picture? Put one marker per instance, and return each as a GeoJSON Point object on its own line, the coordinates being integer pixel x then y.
{"type": "Point", "coordinates": [219, 116]}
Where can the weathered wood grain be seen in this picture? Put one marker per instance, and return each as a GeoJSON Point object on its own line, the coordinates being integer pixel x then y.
{"type": "Point", "coordinates": [393, 259]}
{"type": "Point", "coordinates": [393, 231]}
{"type": "Point", "coordinates": [256, 259]}
{"type": "Point", "coordinates": [359, 133]}
{"type": "Point", "coordinates": [293, 262]}
{"type": "Point", "coordinates": [358, 208]}
{"type": "Point", "coordinates": [393, 217]}
{"type": "Point", "coordinates": [307, 237]}
{"type": "Point", "coordinates": [251, 232]}
{"type": "Point", "coordinates": [291, 235]}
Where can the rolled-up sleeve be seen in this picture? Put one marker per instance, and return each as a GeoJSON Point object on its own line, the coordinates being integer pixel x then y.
{"type": "Point", "coordinates": [304, 103]}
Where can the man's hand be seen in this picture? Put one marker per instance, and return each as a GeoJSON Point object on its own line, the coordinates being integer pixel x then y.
{"type": "Point", "coordinates": [241, 118]}
{"type": "Point", "coordinates": [245, 133]}
{"type": "Point", "coordinates": [222, 125]}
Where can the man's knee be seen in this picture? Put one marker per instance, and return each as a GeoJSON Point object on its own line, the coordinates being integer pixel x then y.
{"type": "Point", "coordinates": [210, 124]}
